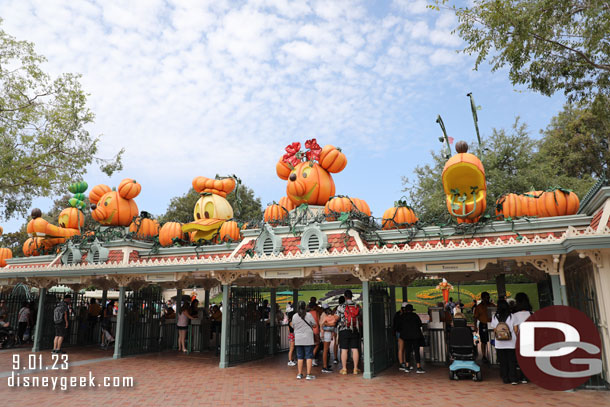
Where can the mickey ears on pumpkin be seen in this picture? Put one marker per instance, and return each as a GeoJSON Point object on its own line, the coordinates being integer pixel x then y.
{"type": "Point", "coordinates": [283, 169]}
{"type": "Point", "coordinates": [332, 159]}
{"type": "Point", "coordinates": [97, 192]}
{"type": "Point", "coordinates": [129, 188]}
{"type": "Point", "coordinates": [214, 186]}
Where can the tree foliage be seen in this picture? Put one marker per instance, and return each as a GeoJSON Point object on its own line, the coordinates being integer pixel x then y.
{"type": "Point", "coordinates": [181, 208]}
{"type": "Point", "coordinates": [44, 144]}
{"type": "Point", "coordinates": [548, 45]}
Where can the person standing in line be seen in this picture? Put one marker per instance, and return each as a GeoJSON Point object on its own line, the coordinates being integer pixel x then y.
{"type": "Point", "coordinates": [183, 325]}
{"type": "Point", "coordinates": [502, 324]}
{"type": "Point", "coordinates": [60, 318]}
{"type": "Point", "coordinates": [481, 314]}
{"type": "Point", "coordinates": [291, 361]}
{"type": "Point", "coordinates": [336, 333]}
{"type": "Point", "coordinates": [304, 324]}
{"type": "Point", "coordinates": [106, 324]}
{"type": "Point", "coordinates": [410, 331]}
{"type": "Point", "coordinates": [523, 310]}
{"type": "Point", "coordinates": [23, 320]}
{"type": "Point", "coordinates": [328, 322]}
{"type": "Point", "coordinates": [349, 331]}
{"type": "Point", "coordinates": [401, 342]}
{"type": "Point", "coordinates": [313, 309]}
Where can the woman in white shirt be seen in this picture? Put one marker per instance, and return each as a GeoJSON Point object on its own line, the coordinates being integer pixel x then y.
{"type": "Point", "coordinates": [502, 324]}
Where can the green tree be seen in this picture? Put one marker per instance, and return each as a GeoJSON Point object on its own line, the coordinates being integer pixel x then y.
{"type": "Point", "coordinates": [548, 45]}
{"type": "Point", "coordinates": [181, 208]}
{"type": "Point", "coordinates": [44, 144]}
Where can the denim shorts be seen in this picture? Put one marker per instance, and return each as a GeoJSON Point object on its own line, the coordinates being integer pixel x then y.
{"type": "Point", "coordinates": [304, 352]}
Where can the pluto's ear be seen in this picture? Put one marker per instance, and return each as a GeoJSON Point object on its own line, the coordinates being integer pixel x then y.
{"type": "Point", "coordinates": [97, 192]}
{"type": "Point", "coordinates": [332, 159]}
{"type": "Point", "coordinates": [283, 169]}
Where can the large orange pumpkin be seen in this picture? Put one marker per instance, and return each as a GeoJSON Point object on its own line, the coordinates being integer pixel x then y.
{"type": "Point", "coordinates": [529, 202]}
{"type": "Point", "coordinates": [332, 159]}
{"type": "Point", "coordinates": [340, 204]}
{"type": "Point", "coordinates": [214, 186]}
{"type": "Point", "coordinates": [97, 192]}
{"type": "Point", "coordinates": [71, 218]}
{"type": "Point", "coordinates": [282, 169]}
{"type": "Point", "coordinates": [229, 232]}
{"type": "Point", "coordinates": [5, 254]}
{"type": "Point", "coordinates": [148, 227]}
{"type": "Point", "coordinates": [557, 202]}
{"type": "Point", "coordinates": [287, 203]}
{"type": "Point", "coordinates": [398, 217]}
{"type": "Point", "coordinates": [33, 247]}
{"type": "Point", "coordinates": [275, 214]}
{"type": "Point", "coordinates": [309, 183]}
{"type": "Point", "coordinates": [129, 188]}
{"type": "Point", "coordinates": [509, 206]}
{"type": "Point", "coordinates": [113, 210]}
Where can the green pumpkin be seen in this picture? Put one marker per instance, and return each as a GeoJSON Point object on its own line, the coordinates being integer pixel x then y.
{"type": "Point", "coordinates": [80, 196]}
{"type": "Point", "coordinates": [78, 187]}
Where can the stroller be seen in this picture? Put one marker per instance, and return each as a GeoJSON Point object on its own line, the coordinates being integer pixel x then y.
{"type": "Point", "coordinates": [462, 351]}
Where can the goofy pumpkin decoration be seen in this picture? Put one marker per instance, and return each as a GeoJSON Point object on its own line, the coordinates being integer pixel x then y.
{"type": "Point", "coordinates": [212, 210]}
{"type": "Point", "coordinates": [307, 173]}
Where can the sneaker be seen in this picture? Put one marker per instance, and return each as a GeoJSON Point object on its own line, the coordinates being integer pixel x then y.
{"type": "Point", "coordinates": [524, 381]}
{"type": "Point", "coordinates": [407, 370]}
{"type": "Point", "coordinates": [402, 367]}
{"type": "Point", "coordinates": [411, 368]}
{"type": "Point", "coordinates": [336, 361]}
{"type": "Point", "coordinates": [325, 370]}
{"type": "Point", "coordinates": [54, 351]}
{"type": "Point", "coordinates": [514, 383]}
{"type": "Point", "coordinates": [420, 370]}
{"type": "Point", "coordinates": [291, 363]}
{"type": "Point", "coordinates": [310, 377]}
{"type": "Point", "coordinates": [299, 376]}
{"type": "Point", "coordinates": [314, 363]}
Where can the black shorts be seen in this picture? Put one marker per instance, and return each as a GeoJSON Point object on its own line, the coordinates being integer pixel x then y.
{"type": "Point", "coordinates": [60, 329]}
{"type": "Point", "coordinates": [483, 332]}
{"type": "Point", "coordinates": [349, 339]}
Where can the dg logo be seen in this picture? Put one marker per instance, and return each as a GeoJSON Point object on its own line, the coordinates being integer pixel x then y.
{"type": "Point", "coordinates": [559, 348]}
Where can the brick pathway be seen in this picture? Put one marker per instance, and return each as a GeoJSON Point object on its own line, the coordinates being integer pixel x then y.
{"type": "Point", "coordinates": [172, 379]}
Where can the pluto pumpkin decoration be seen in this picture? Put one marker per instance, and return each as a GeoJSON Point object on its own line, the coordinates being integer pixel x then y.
{"type": "Point", "coordinates": [212, 209]}
{"type": "Point", "coordinates": [115, 208]}
{"type": "Point", "coordinates": [464, 185]}
{"type": "Point", "coordinates": [308, 173]}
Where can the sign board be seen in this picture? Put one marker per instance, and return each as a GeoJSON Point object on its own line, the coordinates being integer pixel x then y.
{"type": "Point", "coordinates": [156, 278]}
{"type": "Point", "coordinates": [452, 267]}
{"type": "Point", "coordinates": [284, 273]}
{"type": "Point", "coordinates": [69, 280]}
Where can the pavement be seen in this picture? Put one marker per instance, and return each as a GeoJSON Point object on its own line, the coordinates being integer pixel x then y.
{"type": "Point", "coordinates": [172, 378]}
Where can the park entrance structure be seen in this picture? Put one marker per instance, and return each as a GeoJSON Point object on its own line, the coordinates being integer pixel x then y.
{"type": "Point", "coordinates": [572, 253]}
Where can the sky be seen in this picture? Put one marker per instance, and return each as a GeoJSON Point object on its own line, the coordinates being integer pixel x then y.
{"type": "Point", "coordinates": [194, 88]}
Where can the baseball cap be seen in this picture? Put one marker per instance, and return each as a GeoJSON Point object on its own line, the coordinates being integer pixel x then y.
{"type": "Point", "coordinates": [404, 304]}
{"type": "Point", "coordinates": [325, 306]}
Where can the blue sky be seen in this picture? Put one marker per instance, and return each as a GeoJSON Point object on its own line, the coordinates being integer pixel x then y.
{"type": "Point", "coordinates": [195, 88]}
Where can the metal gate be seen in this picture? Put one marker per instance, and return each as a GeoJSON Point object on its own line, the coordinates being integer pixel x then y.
{"type": "Point", "coordinates": [80, 331]}
{"type": "Point", "coordinates": [142, 324]}
{"type": "Point", "coordinates": [580, 287]}
{"type": "Point", "coordinates": [247, 333]}
{"type": "Point", "coordinates": [13, 300]}
{"type": "Point", "coordinates": [383, 341]}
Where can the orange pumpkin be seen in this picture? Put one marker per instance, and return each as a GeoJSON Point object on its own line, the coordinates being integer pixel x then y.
{"type": "Point", "coordinates": [5, 254]}
{"type": "Point", "coordinates": [332, 159]}
{"type": "Point", "coordinates": [1, 230]}
{"type": "Point", "coordinates": [33, 247]}
{"type": "Point", "coordinates": [129, 188]}
{"type": "Point", "coordinates": [71, 218]}
{"type": "Point", "coordinates": [509, 206]}
{"type": "Point", "coordinates": [97, 192]}
{"type": "Point", "coordinates": [287, 203]}
{"type": "Point", "coordinates": [398, 217]}
{"type": "Point", "coordinates": [282, 169]}
{"type": "Point", "coordinates": [147, 227]}
{"type": "Point", "coordinates": [170, 231]}
{"type": "Point", "coordinates": [309, 183]}
{"type": "Point", "coordinates": [112, 209]}
{"type": "Point", "coordinates": [229, 231]}
{"type": "Point", "coordinates": [529, 202]}
{"type": "Point", "coordinates": [214, 186]}
{"type": "Point", "coordinates": [275, 214]}
{"type": "Point", "coordinates": [340, 204]}
{"type": "Point", "coordinates": [557, 202]}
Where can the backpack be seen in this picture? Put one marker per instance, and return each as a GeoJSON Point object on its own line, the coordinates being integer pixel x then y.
{"type": "Point", "coordinates": [352, 314]}
{"type": "Point", "coordinates": [58, 313]}
{"type": "Point", "coordinates": [502, 332]}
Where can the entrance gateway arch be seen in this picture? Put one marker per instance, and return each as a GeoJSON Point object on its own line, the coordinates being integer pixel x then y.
{"type": "Point", "coordinates": [572, 253]}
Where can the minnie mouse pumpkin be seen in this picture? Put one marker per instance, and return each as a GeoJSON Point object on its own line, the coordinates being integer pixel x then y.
{"type": "Point", "coordinates": [115, 208]}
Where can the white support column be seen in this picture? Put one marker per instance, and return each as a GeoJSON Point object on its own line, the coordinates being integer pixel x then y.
{"type": "Point", "coordinates": [120, 320]}
{"type": "Point", "coordinates": [224, 333]}
{"type": "Point", "coordinates": [366, 334]}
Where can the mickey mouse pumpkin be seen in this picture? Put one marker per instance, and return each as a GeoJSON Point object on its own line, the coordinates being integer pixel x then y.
{"type": "Point", "coordinates": [115, 208]}
{"type": "Point", "coordinates": [308, 174]}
